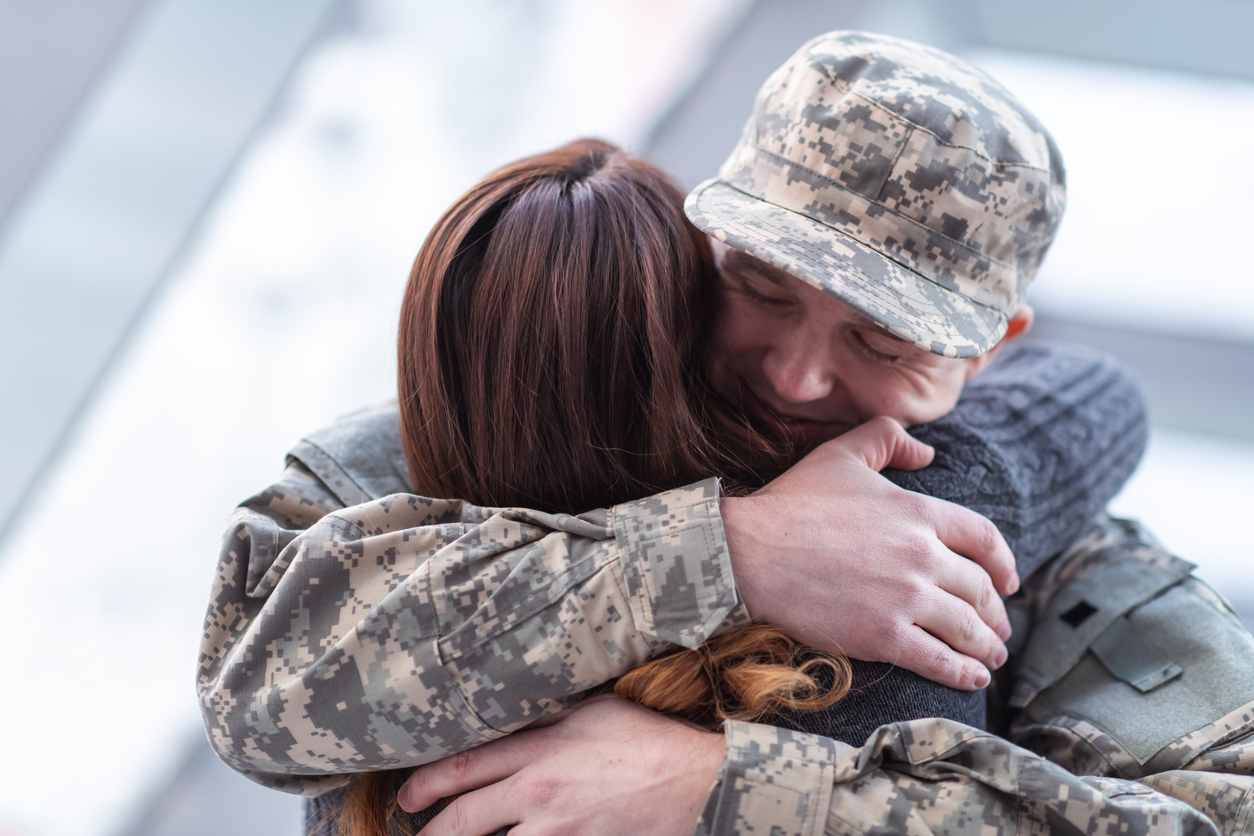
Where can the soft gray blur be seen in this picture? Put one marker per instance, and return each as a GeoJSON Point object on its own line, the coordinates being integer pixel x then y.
{"type": "Point", "coordinates": [207, 211]}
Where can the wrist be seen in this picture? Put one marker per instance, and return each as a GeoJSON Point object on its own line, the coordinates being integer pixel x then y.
{"type": "Point", "coordinates": [705, 779]}
{"type": "Point", "coordinates": [736, 513]}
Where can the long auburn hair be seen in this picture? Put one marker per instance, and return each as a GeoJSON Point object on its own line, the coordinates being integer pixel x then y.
{"type": "Point", "coordinates": [549, 336]}
{"type": "Point", "coordinates": [551, 356]}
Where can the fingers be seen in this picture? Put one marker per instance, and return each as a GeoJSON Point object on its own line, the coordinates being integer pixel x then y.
{"type": "Point", "coordinates": [967, 533]}
{"type": "Point", "coordinates": [972, 590]}
{"type": "Point", "coordinates": [954, 622]}
{"type": "Point", "coordinates": [479, 813]}
{"type": "Point", "coordinates": [467, 771]}
{"type": "Point", "coordinates": [931, 658]}
{"type": "Point", "coordinates": [882, 442]}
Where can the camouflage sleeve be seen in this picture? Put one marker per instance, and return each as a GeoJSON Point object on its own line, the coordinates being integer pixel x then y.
{"type": "Point", "coordinates": [923, 777]}
{"type": "Point", "coordinates": [405, 629]}
{"type": "Point", "coordinates": [1135, 698]}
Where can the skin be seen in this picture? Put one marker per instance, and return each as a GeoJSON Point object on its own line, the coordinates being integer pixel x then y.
{"type": "Point", "coordinates": [580, 775]}
{"type": "Point", "coordinates": [799, 555]}
{"type": "Point", "coordinates": [803, 553]}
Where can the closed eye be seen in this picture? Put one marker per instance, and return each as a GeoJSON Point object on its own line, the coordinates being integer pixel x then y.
{"type": "Point", "coordinates": [758, 297]}
{"type": "Point", "coordinates": [871, 352]}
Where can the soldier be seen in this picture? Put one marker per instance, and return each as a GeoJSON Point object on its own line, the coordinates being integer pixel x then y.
{"type": "Point", "coordinates": [948, 195]}
{"type": "Point", "coordinates": [889, 200]}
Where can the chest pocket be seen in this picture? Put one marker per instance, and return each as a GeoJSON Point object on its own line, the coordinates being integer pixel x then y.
{"type": "Point", "coordinates": [1131, 665]}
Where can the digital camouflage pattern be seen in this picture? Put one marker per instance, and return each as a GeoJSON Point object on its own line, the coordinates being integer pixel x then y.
{"type": "Point", "coordinates": [930, 777]}
{"type": "Point", "coordinates": [1087, 773]}
{"type": "Point", "coordinates": [405, 629]}
{"type": "Point", "coordinates": [899, 179]}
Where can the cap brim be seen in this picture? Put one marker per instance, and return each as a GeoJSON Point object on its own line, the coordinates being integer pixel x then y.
{"type": "Point", "coordinates": [906, 303]}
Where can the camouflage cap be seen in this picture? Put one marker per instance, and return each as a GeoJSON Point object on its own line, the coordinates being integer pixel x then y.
{"type": "Point", "coordinates": [898, 178]}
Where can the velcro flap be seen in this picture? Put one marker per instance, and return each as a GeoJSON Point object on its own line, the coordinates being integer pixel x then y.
{"type": "Point", "coordinates": [1129, 657]}
{"type": "Point", "coordinates": [1083, 610]}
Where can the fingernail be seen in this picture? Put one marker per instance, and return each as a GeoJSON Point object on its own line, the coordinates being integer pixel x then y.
{"type": "Point", "coordinates": [1014, 585]}
{"type": "Point", "coordinates": [1003, 630]}
{"type": "Point", "coordinates": [982, 678]}
{"type": "Point", "coordinates": [403, 798]}
{"type": "Point", "coordinates": [999, 657]}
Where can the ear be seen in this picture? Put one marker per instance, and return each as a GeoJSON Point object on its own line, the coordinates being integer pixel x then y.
{"type": "Point", "coordinates": [1019, 325]}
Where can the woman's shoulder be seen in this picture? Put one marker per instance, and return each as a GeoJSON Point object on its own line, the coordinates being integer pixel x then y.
{"type": "Point", "coordinates": [359, 457]}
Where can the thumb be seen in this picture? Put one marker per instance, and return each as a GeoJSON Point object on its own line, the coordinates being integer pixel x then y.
{"type": "Point", "coordinates": [882, 442]}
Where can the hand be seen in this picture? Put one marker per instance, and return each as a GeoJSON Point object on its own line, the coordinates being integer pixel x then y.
{"type": "Point", "coordinates": [607, 767]}
{"type": "Point", "coordinates": [842, 559]}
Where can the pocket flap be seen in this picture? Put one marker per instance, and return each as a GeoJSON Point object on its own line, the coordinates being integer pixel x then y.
{"type": "Point", "coordinates": [1082, 611]}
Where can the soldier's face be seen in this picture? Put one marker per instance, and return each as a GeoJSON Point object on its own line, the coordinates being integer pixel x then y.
{"type": "Point", "coordinates": [797, 358]}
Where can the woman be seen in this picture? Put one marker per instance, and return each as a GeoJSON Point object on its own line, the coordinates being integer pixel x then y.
{"type": "Point", "coordinates": [558, 311]}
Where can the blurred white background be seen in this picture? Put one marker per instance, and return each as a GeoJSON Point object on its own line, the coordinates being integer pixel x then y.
{"type": "Point", "coordinates": [207, 213]}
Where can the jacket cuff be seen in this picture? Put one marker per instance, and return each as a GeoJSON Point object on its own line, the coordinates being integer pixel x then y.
{"type": "Point", "coordinates": [675, 562]}
{"type": "Point", "coordinates": [772, 778]}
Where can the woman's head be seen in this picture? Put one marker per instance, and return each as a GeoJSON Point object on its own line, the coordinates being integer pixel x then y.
{"type": "Point", "coordinates": [551, 356]}
{"type": "Point", "coordinates": [551, 341]}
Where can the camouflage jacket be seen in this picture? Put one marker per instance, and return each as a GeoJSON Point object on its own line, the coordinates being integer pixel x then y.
{"type": "Point", "coordinates": [454, 625]}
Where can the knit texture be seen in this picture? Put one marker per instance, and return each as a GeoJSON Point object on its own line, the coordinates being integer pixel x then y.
{"type": "Point", "coordinates": [1038, 443]}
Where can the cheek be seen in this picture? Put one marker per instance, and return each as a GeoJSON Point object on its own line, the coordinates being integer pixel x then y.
{"type": "Point", "coordinates": [909, 396]}
{"type": "Point", "coordinates": [736, 322]}
{"type": "Point", "coordinates": [882, 393]}
{"type": "Point", "coordinates": [937, 397]}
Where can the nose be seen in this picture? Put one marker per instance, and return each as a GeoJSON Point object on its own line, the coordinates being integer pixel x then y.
{"type": "Point", "coordinates": [799, 368]}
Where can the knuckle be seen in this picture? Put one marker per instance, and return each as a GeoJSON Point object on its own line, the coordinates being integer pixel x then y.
{"type": "Point", "coordinates": [917, 548]}
{"type": "Point", "coordinates": [456, 813]}
{"type": "Point", "coordinates": [988, 538]}
{"type": "Point", "coordinates": [918, 506]}
{"type": "Point", "coordinates": [943, 662]}
{"type": "Point", "coordinates": [971, 628]}
{"type": "Point", "coordinates": [921, 595]}
{"type": "Point", "coordinates": [460, 765]}
{"type": "Point", "coordinates": [882, 423]}
{"type": "Point", "coordinates": [420, 781]}
{"type": "Point", "coordinates": [898, 633]}
{"type": "Point", "coordinates": [913, 594]}
{"type": "Point", "coordinates": [989, 600]}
